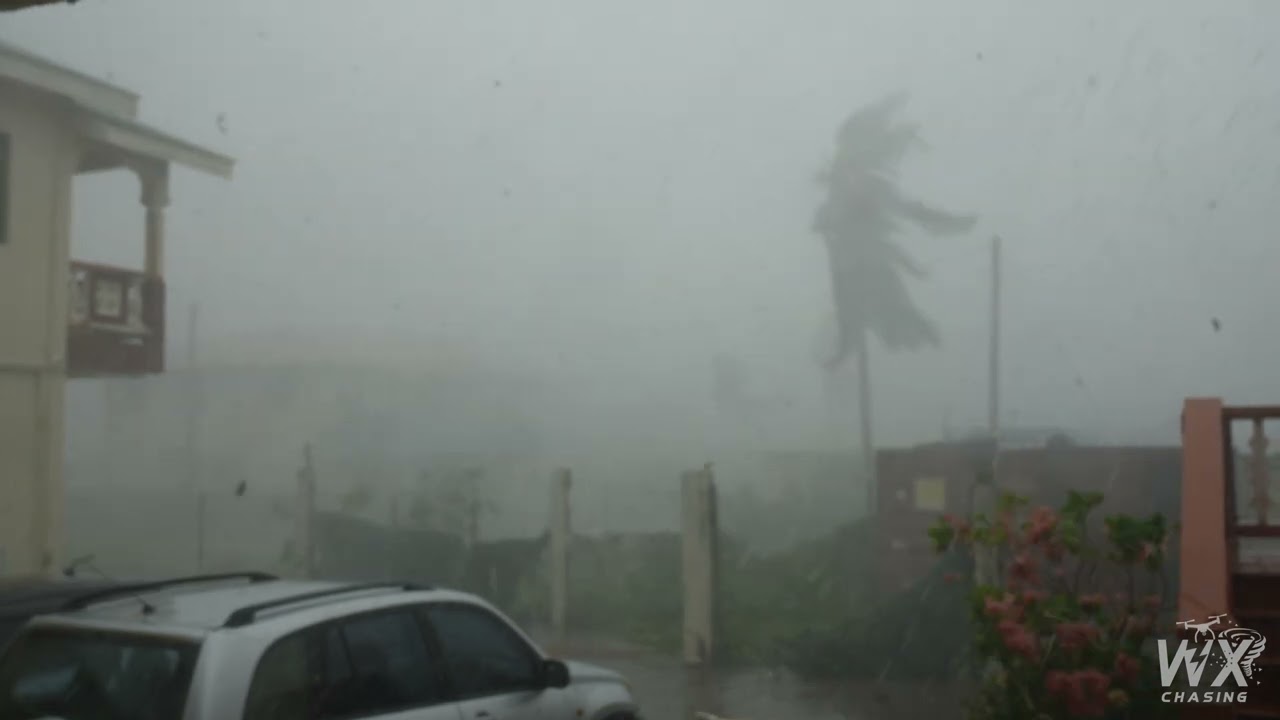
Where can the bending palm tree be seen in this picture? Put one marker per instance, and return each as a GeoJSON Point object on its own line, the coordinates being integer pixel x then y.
{"type": "Point", "coordinates": [863, 212]}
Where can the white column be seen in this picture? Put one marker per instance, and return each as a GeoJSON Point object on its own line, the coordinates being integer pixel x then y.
{"type": "Point", "coordinates": [155, 198]}
{"type": "Point", "coordinates": [698, 549]}
{"type": "Point", "coordinates": [305, 515]}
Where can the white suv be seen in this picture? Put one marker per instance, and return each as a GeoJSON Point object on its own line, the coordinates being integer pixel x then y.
{"type": "Point", "coordinates": [249, 646]}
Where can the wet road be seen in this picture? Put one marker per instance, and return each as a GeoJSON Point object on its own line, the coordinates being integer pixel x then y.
{"type": "Point", "coordinates": [667, 690]}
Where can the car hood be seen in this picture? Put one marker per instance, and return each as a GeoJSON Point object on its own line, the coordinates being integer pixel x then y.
{"type": "Point", "coordinates": [586, 672]}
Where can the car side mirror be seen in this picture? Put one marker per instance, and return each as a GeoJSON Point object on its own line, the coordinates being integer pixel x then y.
{"type": "Point", "coordinates": [555, 674]}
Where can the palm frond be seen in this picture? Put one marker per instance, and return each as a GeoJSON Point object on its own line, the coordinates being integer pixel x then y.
{"type": "Point", "coordinates": [900, 323]}
{"type": "Point", "coordinates": [871, 140]}
{"type": "Point", "coordinates": [862, 214]}
{"type": "Point", "coordinates": [901, 260]}
{"type": "Point", "coordinates": [933, 220]}
{"type": "Point", "coordinates": [871, 298]}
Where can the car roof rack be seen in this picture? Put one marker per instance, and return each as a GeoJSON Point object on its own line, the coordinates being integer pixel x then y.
{"type": "Point", "coordinates": [249, 613]}
{"type": "Point", "coordinates": [80, 602]}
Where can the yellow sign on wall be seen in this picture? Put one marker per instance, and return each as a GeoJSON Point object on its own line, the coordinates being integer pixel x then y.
{"type": "Point", "coordinates": [931, 494]}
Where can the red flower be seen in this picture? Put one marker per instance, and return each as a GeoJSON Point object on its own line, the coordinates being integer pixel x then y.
{"type": "Point", "coordinates": [1088, 695]}
{"type": "Point", "coordinates": [1031, 597]}
{"type": "Point", "coordinates": [1146, 552]}
{"type": "Point", "coordinates": [1022, 569]}
{"type": "Point", "coordinates": [1127, 668]}
{"type": "Point", "coordinates": [952, 578]}
{"type": "Point", "coordinates": [1019, 639]}
{"type": "Point", "coordinates": [1093, 602]}
{"type": "Point", "coordinates": [1005, 607]}
{"type": "Point", "coordinates": [1056, 682]}
{"type": "Point", "coordinates": [1153, 602]}
{"type": "Point", "coordinates": [1083, 691]}
{"type": "Point", "coordinates": [1076, 636]}
{"type": "Point", "coordinates": [1041, 524]}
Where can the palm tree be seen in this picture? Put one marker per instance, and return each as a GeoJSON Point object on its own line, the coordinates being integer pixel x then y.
{"type": "Point", "coordinates": [859, 220]}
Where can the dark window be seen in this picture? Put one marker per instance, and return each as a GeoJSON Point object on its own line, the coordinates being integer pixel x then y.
{"type": "Point", "coordinates": [4, 188]}
{"type": "Point", "coordinates": [483, 654]}
{"type": "Point", "coordinates": [337, 664]}
{"type": "Point", "coordinates": [8, 628]}
{"type": "Point", "coordinates": [282, 686]}
{"type": "Point", "coordinates": [389, 662]}
{"type": "Point", "coordinates": [365, 665]}
{"type": "Point", "coordinates": [82, 675]}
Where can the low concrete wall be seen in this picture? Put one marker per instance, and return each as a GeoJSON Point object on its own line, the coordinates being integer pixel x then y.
{"type": "Point", "coordinates": [136, 532]}
{"type": "Point", "coordinates": [919, 484]}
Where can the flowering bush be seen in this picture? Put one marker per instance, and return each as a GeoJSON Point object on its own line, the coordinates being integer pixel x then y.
{"type": "Point", "coordinates": [1053, 646]}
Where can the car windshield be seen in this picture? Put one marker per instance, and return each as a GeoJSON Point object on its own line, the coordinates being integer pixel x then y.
{"type": "Point", "coordinates": [82, 675]}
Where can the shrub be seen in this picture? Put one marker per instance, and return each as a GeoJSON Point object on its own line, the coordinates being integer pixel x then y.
{"type": "Point", "coordinates": [1053, 645]}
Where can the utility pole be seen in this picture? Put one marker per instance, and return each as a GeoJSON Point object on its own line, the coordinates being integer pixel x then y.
{"type": "Point", "coordinates": [193, 417]}
{"type": "Point", "coordinates": [984, 490]}
{"type": "Point", "coordinates": [994, 399]}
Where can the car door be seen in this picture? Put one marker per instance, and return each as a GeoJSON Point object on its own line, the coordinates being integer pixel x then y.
{"type": "Point", "coordinates": [494, 672]}
{"type": "Point", "coordinates": [371, 666]}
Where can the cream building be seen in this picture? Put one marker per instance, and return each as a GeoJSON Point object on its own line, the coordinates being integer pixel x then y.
{"type": "Point", "coordinates": [58, 319]}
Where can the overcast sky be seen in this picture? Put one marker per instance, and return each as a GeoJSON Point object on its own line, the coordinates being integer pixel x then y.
{"type": "Point", "coordinates": [620, 190]}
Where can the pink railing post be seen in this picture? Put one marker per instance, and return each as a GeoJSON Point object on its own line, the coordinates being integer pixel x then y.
{"type": "Point", "coordinates": [1205, 571]}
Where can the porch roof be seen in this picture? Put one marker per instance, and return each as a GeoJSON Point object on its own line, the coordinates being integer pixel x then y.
{"type": "Point", "coordinates": [14, 5]}
{"type": "Point", "coordinates": [31, 70]}
{"type": "Point", "coordinates": [129, 137]}
{"type": "Point", "coordinates": [106, 116]}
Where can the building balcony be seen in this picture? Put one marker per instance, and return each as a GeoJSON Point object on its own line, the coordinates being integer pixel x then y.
{"type": "Point", "coordinates": [116, 322]}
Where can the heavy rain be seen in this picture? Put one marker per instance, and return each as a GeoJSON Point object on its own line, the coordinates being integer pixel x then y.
{"type": "Point", "coordinates": [764, 353]}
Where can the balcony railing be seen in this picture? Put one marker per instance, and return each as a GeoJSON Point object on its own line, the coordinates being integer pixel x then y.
{"type": "Point", "coordinates": [116, 322]}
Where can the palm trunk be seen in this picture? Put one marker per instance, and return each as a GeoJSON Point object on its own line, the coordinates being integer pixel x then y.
{"type": "Point", "coordinates": [865, 414]}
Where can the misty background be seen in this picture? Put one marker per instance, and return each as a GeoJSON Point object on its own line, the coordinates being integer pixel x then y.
{"type": "Point", "coordinates": [595, 200]}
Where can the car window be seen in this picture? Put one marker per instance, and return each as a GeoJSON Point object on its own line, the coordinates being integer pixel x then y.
{"type": "Point", "coordinates": [281, 685]}
{"type": "Point", "coordinates": [78, 675]}
{"type": "Point", "coordinates": [390, 663]}
{"type": "Point", "coordinates": [8, 628]}
{"type": "Point", "coordinates": [483, 654]}
{"type": "Point", "coordinates": [366, 665]}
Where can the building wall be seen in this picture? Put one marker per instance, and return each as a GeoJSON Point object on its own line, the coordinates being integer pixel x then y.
{"type": "Point", "coordinates": [917, 485]}
{"type": "Point", "coordinates": [43, 155]}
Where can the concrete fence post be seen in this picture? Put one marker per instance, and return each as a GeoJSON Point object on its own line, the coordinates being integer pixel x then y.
{"type": "Point", "coordinates": [304, 522]}
{"type": "Point", "coordinates": [560, 532]}
{"type": "Point", "coordinates": [698, 551]}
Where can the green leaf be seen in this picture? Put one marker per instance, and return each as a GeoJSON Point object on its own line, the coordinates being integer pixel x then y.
{"type": "Point", "coordinates": [1011, 502]}
{"type": "Point", "coordinates": [942, 534]}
